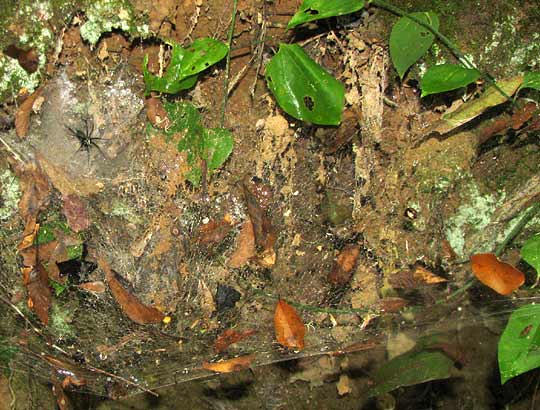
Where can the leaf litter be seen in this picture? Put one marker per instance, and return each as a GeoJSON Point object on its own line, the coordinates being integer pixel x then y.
{"type": "Point", "coordinates": [137, 194]}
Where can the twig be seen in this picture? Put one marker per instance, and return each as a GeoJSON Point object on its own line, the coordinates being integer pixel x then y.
{"type": "Point", "coordinates": [12, 151]}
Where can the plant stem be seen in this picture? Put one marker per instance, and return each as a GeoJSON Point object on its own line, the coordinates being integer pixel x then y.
{"type": "Point", "coordinates": [527, 216]}
{"type": "Point", "coordinates": [443, 39]}
{"type": "Point", "coordinates": [228, 66]}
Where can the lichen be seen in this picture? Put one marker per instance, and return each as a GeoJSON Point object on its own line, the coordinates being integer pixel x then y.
{"type": "Point", "coordinates": [106, 15]}
{"type": "Point", "coordinates": [471, 217]}
{"type": "Point", "coordinates": [10, 194]}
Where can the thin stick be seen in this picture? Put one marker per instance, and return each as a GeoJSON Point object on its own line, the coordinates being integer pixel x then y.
{"type": "Point", "coordinates": [228, 66]}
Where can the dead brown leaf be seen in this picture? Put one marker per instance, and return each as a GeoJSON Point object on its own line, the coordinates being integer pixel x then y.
{"type": "Point", "coordinates": [22, 116]}
{"type": "Point", "coordinates": [344, 265]}
{"type": "Point", "coordinates": [36, 280]}
{"type": "Point", "coordinates": [245, 246]}
{"type": "Point", "coordinates": [29, 235]}
{"type": "Point", "coordinates": [289, 328]}
{"type": "Point", "coordinates": [95, 287]}
{"type": "Point", "coordinates": [130, 304]}
{"type": "Point", "coordinates": [230, 336]}
{"type": "Point", "coordinates": [156, 113]}
{"type": "Point", "coordinates": [213, 232]}
{"type": "Point", "coordinates": [258, 198]}
{"type": "Point", "coordinates": [75, 212]}
{"type": "Point", "coordinates": [231, 365]}
{"type": "Point", "coordinates": [35, 188]}
{"type": "Point", "coordinates": [61, 398]}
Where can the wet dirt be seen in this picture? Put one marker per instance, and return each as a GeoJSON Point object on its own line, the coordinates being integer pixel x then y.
{"type": "Point", "coordinates": [376, 183]}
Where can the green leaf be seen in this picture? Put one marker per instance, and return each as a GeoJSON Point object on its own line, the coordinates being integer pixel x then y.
{"type": "Point", "coordinates": [411, 368]}
{"type": "Point", "coordinates": [519, 345]}
{"type": "Point", "coordinates": [409, 40]}
{"type": "Point", "coordinates": [531, 80]}
{"type": "Point", "coordinates": [184, 66]}
{"type": "Point", "coordinates": [59, 288]}
{"type": "Point", "coordinates": [320, 9]}
{"type": "Point", "coordinates": [446, 77]}
{"type": "Point", "coordinates": [303, 89]}
{"type": "Point", "coordinates": [530, 252]}
{"type": "Point", "coordinates": [213, 145]}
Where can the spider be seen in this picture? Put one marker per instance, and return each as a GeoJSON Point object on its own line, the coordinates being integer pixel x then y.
{"type": "Point", "coordinates": [85, 138]}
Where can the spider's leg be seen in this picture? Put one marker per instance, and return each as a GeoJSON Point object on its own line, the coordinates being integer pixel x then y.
{"type": "Point", "coordinates": [98, 147]}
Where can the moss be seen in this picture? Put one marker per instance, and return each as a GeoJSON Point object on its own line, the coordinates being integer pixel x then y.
{"type": "Point", "coordinates": [106, 15]}
{"type": "Point", "coordinates": [120, 208]}
{"type": "Point", "coordinates": [61, 318]}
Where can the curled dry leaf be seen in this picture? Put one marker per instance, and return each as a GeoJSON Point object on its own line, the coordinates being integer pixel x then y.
{"type": "Point", "coordinates": [130, 304]}
{"type": "Point", "coordinates": [425, 275]}
{"type": "Point", "coordinates": [29, 235]}
{"type": "Point", "coordinates": [22, 116]}
{"type": "Point", "coordinates": [28, 59]}
{"type": "Point", "coordinates": [213, 232]}
{"type": "Point", "coordinates": [290, 330]}
{"type": "Point", "coordinates": [245, 246]}
{"type": "Point", "coordinates": [258, 198]}
{"type": "Point", "coordinates": [75, 212]}
{"type": "Point", "coordinates": [344, 265]}
{"type": "Point", "coordinates": [156, 113]}
{"type": "Point", "coordinates": [231, 365]}
{"type": "Point", "coordinates": [229, 336]}
{"type": "Point", "coordinates": [499, 276]}
{"type": "Point", "coordinates": [36, 280]}
{"type": "Point", "coordinates": [61, 398]}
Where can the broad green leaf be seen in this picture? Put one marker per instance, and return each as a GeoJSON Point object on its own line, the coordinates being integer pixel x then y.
{"type": "Point", "coordinates": [409, 369]}
{"type": "Point", "coordinates": [409, 40]}
{"type": "Point", "coordinates": [519, 345]}
{"type": "Point", "coordinates": [531, 80]}
{"type": "Point", "coordinates": [320, 9]}
{"type": "Point", "coordinates": [302, 88]}
{"type": "Point", "coordinates": [530, 252]}
{"type": "Point", "coordinates": [446, 77]}
{"type": "Point", "coordinates": [184, 66]}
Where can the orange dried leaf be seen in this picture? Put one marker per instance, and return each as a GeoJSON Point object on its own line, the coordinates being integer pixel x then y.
{"type": "Point", "coordinates": [229, 336]}
{"type": "Point", "coordinates": [29, 234]}
{"type": "Point", "coordinates": [426, 275]}
{"type": "Point", "coordinates": [344, 266]}
{"type": "Point", "coordinates": [130, 304]}
{"type": "Point", "coordinates": [288, 326]}
{"type": "Point", "coordinates": [36, 281]}
{"type": "Point", "coordinates": [499, 276]}
{"type": "Point", "coordinates": [231, 365]}
{"type": "Point", "coordinates": [245, 246]}
{"type": "Point", "coordinates": [95, 287]}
